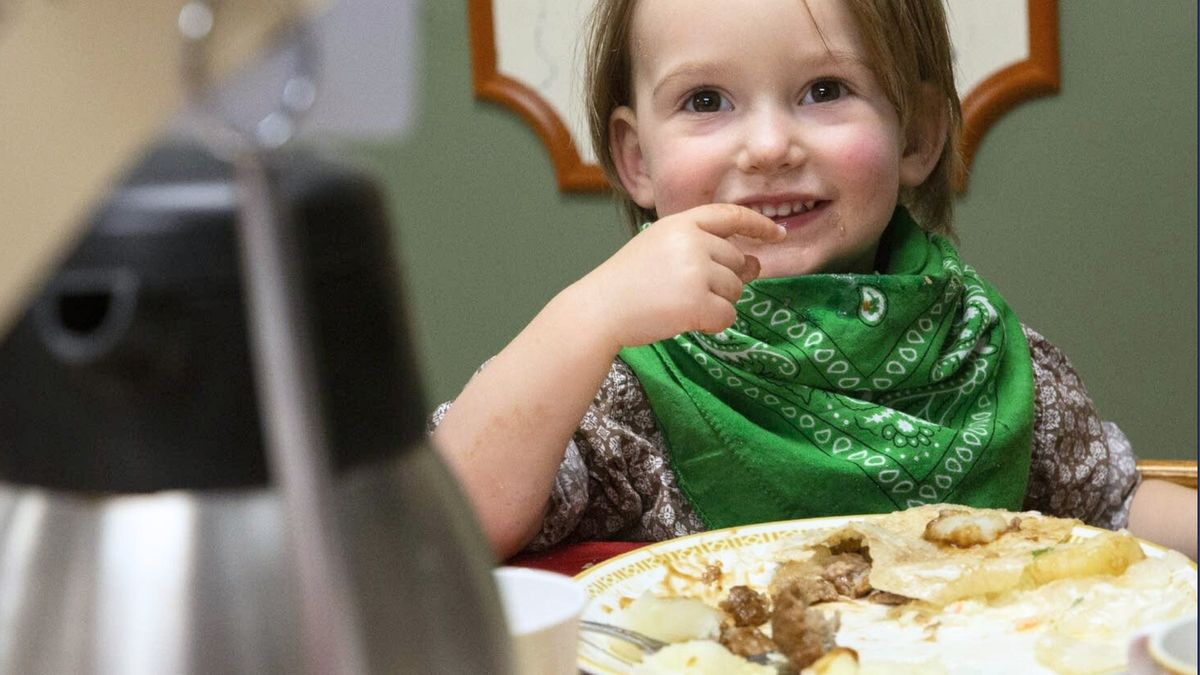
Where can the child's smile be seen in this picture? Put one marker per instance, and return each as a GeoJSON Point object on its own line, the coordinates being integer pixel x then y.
{"type": "Point", "coordinates": [768, 105]}
{"type": "Point", "coordinates": [786, 211]}
{"type": "Point", "coordinates": [789, 212]}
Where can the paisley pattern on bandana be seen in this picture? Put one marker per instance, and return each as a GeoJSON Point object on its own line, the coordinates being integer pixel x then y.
{"type": "Point", "coordinates": [842, 394]}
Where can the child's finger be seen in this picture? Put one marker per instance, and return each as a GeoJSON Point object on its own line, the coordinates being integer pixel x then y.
{"type": "Point", "coordinates": [726, 254]}
{"type": "Point", "coordinates": [726, 220]}
{"type": "Point", "coordinates": [726, 284]}
{"type": "Point", "coordinates": [719, 316]}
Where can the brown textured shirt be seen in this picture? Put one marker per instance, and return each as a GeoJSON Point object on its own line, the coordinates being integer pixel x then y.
{"type": "Point", "coordinates": [616, 482]}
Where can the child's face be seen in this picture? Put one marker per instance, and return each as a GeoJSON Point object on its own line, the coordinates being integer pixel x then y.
{"type": "Point", "coordinates": [742, 101]}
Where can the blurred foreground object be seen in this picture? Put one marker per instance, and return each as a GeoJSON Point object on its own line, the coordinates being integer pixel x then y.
{"type": "Point", "coordinates": [139, 529]}
{"type": "Point", "coordinates": [212, 447]}
{"type": "Point", "coordinates": [85, 86]}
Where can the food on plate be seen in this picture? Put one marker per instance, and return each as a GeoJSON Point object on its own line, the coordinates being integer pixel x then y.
{"type": "Point", "coordinates": [698, 657]}
{"type": "Point", "coordinates": [940, 588]}
{"type": "Point", "coordinates": [672, 619]}
{"type": "Point", "coordinates": [962, 528]}
{"type": "Point", "coordinates": [802, 633]}
{"type": "Point", "coordinates": [906, 563]}
{"type": "Point", "coordinates": [1110, 555]}
{"type": "Point", "coordinates": [843, 661]}
{"type": "Point", "coordinates": [837, 661]}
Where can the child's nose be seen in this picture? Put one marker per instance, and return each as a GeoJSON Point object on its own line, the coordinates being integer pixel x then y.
{"type": "Point", "coordinates": [771, 143]}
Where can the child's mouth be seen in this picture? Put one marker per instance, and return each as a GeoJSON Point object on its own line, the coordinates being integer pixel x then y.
{"type": "Point", "coordinates": [785, 209]}
{"type": "Point", "coordinates": [799, 218]}
{"type": "Point", "coordinates": [790, 213]}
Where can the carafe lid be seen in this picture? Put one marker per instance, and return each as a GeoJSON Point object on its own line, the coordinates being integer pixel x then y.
{"type": "Point", "coordinates": [131, 371]}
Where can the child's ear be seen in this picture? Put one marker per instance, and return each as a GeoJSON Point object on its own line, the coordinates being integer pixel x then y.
{"type": "Point", "coordinates": [627, 155]}
{"type": "Point", "coordinates": [926, 136]}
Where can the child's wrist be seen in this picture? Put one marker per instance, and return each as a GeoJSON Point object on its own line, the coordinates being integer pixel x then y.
{"type": "Point", "coordinates": [587, 313]}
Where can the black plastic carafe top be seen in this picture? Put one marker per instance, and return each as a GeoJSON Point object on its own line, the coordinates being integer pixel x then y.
{"type": "Point", "coordinates": [131, 372]}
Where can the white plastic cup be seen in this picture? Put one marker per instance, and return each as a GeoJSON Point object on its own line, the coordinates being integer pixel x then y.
{"type": "Point", "coordinates": [1173, 647]}
{"type": "Point", "coordinates": [542, 609]}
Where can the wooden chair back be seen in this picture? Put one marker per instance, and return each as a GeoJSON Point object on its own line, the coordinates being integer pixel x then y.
{"type": "Point", "coordinates": [1181, 471]}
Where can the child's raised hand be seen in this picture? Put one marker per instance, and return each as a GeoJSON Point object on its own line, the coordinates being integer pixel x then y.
{"type": "Point", "coordinates": [680, 274]}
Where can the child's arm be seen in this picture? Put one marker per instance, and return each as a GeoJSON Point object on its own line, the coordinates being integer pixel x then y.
{"type": "Point", "coordinates": [506, 433]}
{"type": "Point", "coordinates": [1165, 513]}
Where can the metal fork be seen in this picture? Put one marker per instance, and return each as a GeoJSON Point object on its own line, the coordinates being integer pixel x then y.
{"type": "Point", "coordinates": [648, 645]}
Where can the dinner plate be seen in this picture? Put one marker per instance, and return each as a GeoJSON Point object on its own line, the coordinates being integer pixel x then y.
{"type": "Point", "coordinates": [677, 567]}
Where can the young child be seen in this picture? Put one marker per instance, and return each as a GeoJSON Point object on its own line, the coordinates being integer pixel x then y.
{"type": "Point", "coordinates": [791, 335]}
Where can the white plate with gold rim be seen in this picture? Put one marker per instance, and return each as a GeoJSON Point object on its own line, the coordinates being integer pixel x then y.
{"type": "Point", "coordinates": [989, 642]}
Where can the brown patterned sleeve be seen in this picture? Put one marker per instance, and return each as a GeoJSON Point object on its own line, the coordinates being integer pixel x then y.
{"type": "Point", "coordinates": [1081, 467]}
{"type": "Point", "coordinates": [620, 484]}
{"type": "Point", "coordinates": [615, 481]}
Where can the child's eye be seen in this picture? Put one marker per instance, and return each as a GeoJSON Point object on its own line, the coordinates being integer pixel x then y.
{"type": "Point", "coordinates": [706, 101]}
{"type": "Point", "coordinates": [824, 91]}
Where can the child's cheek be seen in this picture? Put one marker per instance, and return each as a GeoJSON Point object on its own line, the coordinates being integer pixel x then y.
{"type": "Point", "coordinates": [871, 159]}
{"type": "Point", "coordinates": [688, 185]}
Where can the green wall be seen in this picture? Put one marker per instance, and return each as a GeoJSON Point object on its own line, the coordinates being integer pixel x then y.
{"type": "Point", "coordinates": [1081, 210]}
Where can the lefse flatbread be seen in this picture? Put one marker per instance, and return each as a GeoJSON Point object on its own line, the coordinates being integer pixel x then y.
{"type": "Point", "coordinates": [905, 562]}
{"type": "Point", "coordinates": [948, 589]}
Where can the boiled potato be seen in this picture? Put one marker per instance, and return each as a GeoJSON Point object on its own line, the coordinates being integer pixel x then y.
{"type": "Point", "coordinates": [837, 661]}
{"type": "Point", "coordinates": [671, 619]}
{"type": "Point", "coordinates": [1107, 553]}
{"type": "Point", "coordinates": [698, 657]}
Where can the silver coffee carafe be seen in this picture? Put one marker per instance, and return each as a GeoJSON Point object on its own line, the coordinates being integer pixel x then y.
{"type": "Point", "coordinates": [149, 520]}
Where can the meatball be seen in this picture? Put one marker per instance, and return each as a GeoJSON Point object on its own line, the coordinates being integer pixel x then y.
{"type": "Point", "coordinates": [808, 575]}
{"type": "Point", "coordinates": [801, 633]}
{"type": "Point", "coordinates": [746, 606]}
{"type": "Point", "coordinates": [746, 640]}
{"type": "Point", "coordinates": [849, 573]}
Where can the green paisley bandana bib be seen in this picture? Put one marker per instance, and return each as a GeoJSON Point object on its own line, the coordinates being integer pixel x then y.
{"type": "Point", "coordinates": [841, 394]}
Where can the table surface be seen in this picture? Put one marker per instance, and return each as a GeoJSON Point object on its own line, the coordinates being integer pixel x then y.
{"type": "Point", "coordinates": [574, 558]}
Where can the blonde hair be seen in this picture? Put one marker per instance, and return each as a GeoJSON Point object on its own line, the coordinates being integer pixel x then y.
{"type": "Point", "coordinates": [908, 45]}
